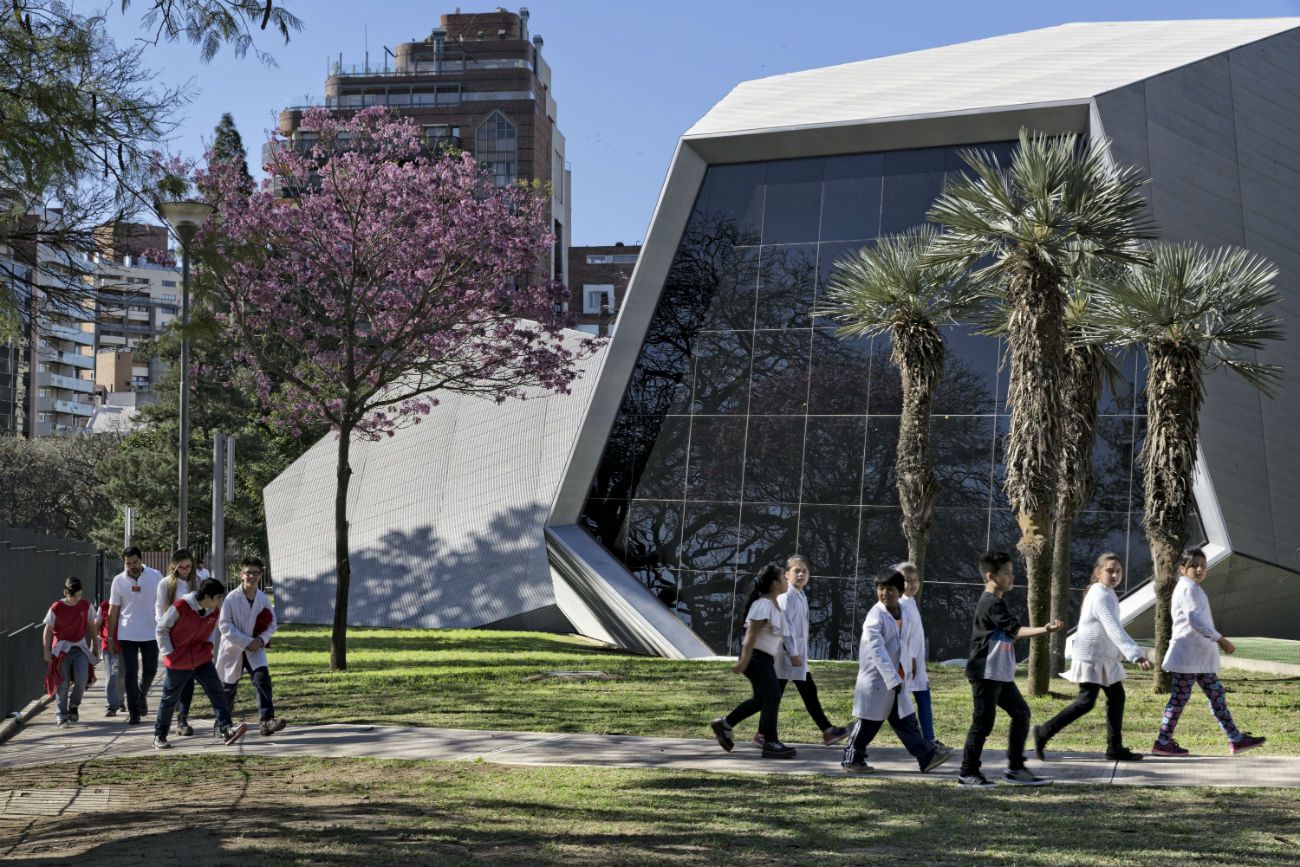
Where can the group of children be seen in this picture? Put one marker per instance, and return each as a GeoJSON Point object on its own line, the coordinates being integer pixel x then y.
{"type": "Point", "coordinates": [204, 636]}
{"type": "Point", "coordinates": [892, 684]}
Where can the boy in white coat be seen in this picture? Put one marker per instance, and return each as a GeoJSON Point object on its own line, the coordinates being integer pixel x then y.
{"type": "Point", "coordinates": [879, 694]}
{"type": "Point", "coordinates": [247, 623]}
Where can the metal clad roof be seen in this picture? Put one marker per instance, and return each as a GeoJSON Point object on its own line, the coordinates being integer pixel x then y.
{"type": "Point", "coordinates": [1068, 63]}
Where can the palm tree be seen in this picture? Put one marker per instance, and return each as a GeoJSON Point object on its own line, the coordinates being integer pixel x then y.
{"type": "Point", "coordinates": [1060, 205]}
{"type": "Point", "coordinates": [1192, 311]}
{"type": "Point", "coordinates": [885, 289]}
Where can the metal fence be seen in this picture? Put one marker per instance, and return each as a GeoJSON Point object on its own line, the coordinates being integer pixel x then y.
{"type": "Point", "coordinates": [32, 569]}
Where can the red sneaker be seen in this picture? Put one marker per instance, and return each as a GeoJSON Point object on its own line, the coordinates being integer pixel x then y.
{"type": "Point", "coordinates": [1170, 749]}
{"type": "Point", "coordinates": [1247, 742]}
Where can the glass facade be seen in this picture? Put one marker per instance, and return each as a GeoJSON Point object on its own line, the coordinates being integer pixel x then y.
{"type": "Point", "coordinates": [749, 431]}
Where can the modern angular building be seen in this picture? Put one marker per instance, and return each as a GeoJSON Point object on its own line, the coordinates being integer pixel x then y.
{"type": "Point", "coordinates": [728, 428]}
{"type": "Point", "coordinates": [725, 427]}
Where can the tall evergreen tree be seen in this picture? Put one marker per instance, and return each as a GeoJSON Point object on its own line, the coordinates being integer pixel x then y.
{"type": "Point", "coordinates": [228, 147]}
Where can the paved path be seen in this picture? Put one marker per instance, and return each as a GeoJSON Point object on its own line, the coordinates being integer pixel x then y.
{"type": "Point", "coordinates": [95, 737]}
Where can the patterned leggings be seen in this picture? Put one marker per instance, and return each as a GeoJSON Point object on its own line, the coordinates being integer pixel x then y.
{"type": "Point", "coordinates": [1181, 693]}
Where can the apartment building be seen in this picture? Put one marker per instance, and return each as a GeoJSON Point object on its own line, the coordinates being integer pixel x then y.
{"type": "Point", "coordinates": [479, 83]}
{"type": "Point", "coordinates": [61, 346]}
{"type": "Point", "coordinates": [136, 300]}
{"type": "Point", "coordinates": [598, 278]}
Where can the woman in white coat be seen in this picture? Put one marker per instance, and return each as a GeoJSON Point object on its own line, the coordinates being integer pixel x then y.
{"type": "Point", "coordinates": [879, 694]}
{"type": "Point", "coordinates": [1099, 645]}
{"type": "Point", "coordinates": [247, 623]}
{"type": "Point", "coordinates": [1193, 658]}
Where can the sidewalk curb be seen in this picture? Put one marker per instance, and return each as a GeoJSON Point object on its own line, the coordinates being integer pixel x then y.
{"type": "Point", "coordinates": [1285, 669]}
{"type": "Point", "coordinates": [13, 724]}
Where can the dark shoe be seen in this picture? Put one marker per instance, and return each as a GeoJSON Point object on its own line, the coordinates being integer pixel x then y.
{"type": "Point", "coordinates": [778, 750]}
{"type": "Point", "coordinates": [1024, 777]}
{"type": "Point", "coordinates": [62, 723]}
{"type": "Point", "coordinates": [758, 740]}
{"type": "Point", "coordinates": [133, 720]}
{"type": "Point", "coordinates": [722, 732]}
{"type": "Point", "coordinates": [937, 759]}
{"type": "Point", "coordinates": [1040, 743]}
{"type": "Point", "coordinates": [975, 781]}
{"type": "Point", "coordinates": [1247, 742]}
{"type": "Point", "coordinates": [160, 743]}
{"type": "Point", "coordinates": [271, 726]}
{"type": "Point", "coordinates": [1123, 754]}
{"type": "Point", "coordinates": [1169, 750]}
{"type": "Point", "coordinates": [834, 735]}
{"type": "Point", "coordinates": [112, 711]}
{"type": "Point", "coordinates": [857, 768]}
{"type": "Point", "coordinates": [72, 715]}
{"type": "Point", "coordinates": [939, 745]}
{"type": "Point", "coordinates": [230, 734]}
{"type": "Point", "coordinates": [184, 728]}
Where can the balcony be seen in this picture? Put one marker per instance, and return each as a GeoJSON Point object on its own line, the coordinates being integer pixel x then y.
{"type": "Point", "coordinates": [85, 362]}
{"type": "Point", "coordinates": [85, 338]}
{"type": "Point", "coordinates": [73, 407]}
{"type": "Point", "coordinates": [440, 66]}
{"type": "Point", "coordinates": [70, 383]}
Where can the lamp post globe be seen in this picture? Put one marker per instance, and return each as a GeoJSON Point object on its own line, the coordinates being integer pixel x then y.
{"type": "Point", "coordinates": [185, 219]}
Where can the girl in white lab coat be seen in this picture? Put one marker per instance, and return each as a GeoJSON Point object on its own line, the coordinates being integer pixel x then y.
{"type": "Point", "coordinates": [918, 682]}
{"type": "Point", "coordinates": [879, 694]}
{"type": "Point", "coordinates": [1193, 658]}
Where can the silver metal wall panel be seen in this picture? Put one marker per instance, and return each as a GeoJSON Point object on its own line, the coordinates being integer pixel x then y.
{"type": "Point", "coordinates": [446, 517]}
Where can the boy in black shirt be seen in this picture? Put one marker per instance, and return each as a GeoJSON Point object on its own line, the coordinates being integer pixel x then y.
{"type": "Point", "coordinates": [992, 672]}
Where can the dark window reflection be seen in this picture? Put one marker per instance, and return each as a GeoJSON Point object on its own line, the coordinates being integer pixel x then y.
{"type": "Point", "coordinates": [749, 432]}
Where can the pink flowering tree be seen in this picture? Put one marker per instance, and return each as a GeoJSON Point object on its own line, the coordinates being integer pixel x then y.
{"type": "Point", "coordinates": [367, 275]}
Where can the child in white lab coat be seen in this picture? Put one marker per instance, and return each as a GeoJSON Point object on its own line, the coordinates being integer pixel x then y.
{"type": "Point", "coordinates": [247, 623]}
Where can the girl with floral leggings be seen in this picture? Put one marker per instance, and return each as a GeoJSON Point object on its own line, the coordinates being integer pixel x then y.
{"type": "Point", "coordinates": [1193, 658]}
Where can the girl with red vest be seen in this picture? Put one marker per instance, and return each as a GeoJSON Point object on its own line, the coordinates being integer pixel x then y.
{"type": "Point", "coordinates": [69, 624]}
{"type": "Point", "coordinates": [186, 634]}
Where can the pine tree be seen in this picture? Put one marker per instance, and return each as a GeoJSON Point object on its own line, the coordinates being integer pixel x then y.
{"type": "Point", "coordinates": [228, 147]}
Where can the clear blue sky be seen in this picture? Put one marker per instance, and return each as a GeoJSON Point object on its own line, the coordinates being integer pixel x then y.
{"type": "Point", "coordinates": [629, 78]}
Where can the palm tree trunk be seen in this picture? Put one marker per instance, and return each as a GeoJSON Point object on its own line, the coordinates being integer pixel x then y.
{"type": "Point", "coordinates": [1174, 393]}
{"type": "Point", "coordinates": [343, 565]}
{"type": "Point", "coordinates": [918, 352]}
{"type": "Point", "coordinates": [1033, 546]}
{"type": "Point", "coordinates": [1060, 587]}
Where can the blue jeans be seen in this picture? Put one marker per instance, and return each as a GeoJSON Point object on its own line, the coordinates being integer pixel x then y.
{"type": "Point", "coordinates": [261, 684]}
{"type": "Point", "coordinates": [905, 728]}
{"type": "Point", "coordinates": [174, 683]}
{"type": "Point", "coordinates": [113, 685]}
{"type": "Point", "coordinates": [924, 712]}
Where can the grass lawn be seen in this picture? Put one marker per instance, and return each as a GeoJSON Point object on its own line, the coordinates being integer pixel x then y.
{"type": "Point", "coordinates": [480, 680]}
{"type": "Point", "coordinates": [1268, 649]}
{"type": "Point", "coordinates": [315, 811]}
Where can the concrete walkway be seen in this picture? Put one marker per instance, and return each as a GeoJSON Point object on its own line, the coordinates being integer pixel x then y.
{"type": "Point", "coordinates": [95, 737]}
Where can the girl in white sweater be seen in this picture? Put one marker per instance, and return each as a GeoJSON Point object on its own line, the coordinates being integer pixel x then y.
{"type": "Point", "coordinates": [1193, 658]}
{"type": "Point", "coordinates": [1099, 645]}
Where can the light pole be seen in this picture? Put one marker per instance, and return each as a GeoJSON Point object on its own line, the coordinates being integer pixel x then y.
{"type": "Point", "coordinates": [185, 219]}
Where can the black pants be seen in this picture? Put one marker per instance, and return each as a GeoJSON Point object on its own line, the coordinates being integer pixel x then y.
{"type": "Point", "coordinates": [262, 683]}
{"type": "Point", "coordinates": [175, 680]}
{"type": "Point", "coordinates": [766, 701]}
{"type": "Point", "coordinates": [139, 665]}
{"type": "Point", "coordinates": [988, 696]}
{"type": "Point", "coordinates": [907, 729]}
{"type": "Point", "coordinates": [811, 701]}
{"type": "Point", "coordinates": [1084, 702]}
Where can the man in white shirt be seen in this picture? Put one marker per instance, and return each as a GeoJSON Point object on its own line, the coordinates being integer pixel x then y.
{"type": "Point", "coordinates": [132, 625]}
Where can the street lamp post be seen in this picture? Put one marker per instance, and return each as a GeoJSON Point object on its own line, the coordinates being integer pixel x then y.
{"type": "Point", "coordinates": [185, 219]}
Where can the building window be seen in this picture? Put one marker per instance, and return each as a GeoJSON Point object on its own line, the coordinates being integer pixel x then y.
{"type": "Point", "coordinates": [169, 299]}
{"type": "Point", "coordinates": [170, 284]}
{"type": "Point", "coordinates": [611, 258]}
{"type": "Point", "coordinates": [598, 298]}
{"type": "Point", "coordinates": [586, 328]}
{"type": "Point", "coordinates": [496, 147]}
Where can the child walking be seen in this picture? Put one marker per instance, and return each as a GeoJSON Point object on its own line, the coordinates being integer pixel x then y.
{"type": "Point", "coordinates": [247, 623]}
{"type": "Point", "coordinates": [114, 689]}
{"type": "Point", "coordinates": [179, 581]}
{"type": "Point", "coordinates": [1193, 658]}
{"type": "Point", "coordinates": [879, 694]}
{"type": "Point", "coordinates": [764, 625]}
{"type": "Point", "coordinates": [918, 682]}
{"type": "Point", "coordinates": [69, 628]}
{"type": "Point", "coordinates": [792, 665]}
{"type": "Point", "coordinates": [991, 671]}
{"type": "Point", "coordinates": [1099, 645]}
{"type": "Point", "coordinates": [186, 634]}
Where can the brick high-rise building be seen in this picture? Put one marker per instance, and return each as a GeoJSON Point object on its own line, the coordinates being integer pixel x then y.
{"type": "Point", "coordinates": [477, 82]}
{"type": "Point", "coordinates": [598, 278]}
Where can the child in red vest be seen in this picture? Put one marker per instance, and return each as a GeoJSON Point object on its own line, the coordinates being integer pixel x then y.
{"type": "Point", "coordinates": [187, 632]}
{"type": "Point", "coordinates": [69, 628]}
{"type": "Point", "coordinates": [114, 690]}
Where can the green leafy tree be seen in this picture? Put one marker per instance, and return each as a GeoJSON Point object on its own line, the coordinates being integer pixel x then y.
{"type": "Point", "coordinates": [1192, 310]}
{"type": "Point", "coordinates": [1059, 205]}
{"type": "Point", "coordinates": [228, 147]}
{"type": "Point", "coordinates": [887, 289]}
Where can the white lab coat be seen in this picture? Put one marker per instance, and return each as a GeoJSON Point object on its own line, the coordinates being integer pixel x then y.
{"type": "Point", "coordinates": [794, 610]}
{"type": "Point", "coordinates": [237, 622]}
{"type": "Point", "coordinates": [879, 656]}
{"type": "Point", "coordinates": [914, 649]}
{"type": "Point", "coordinates": [1193, 647]}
